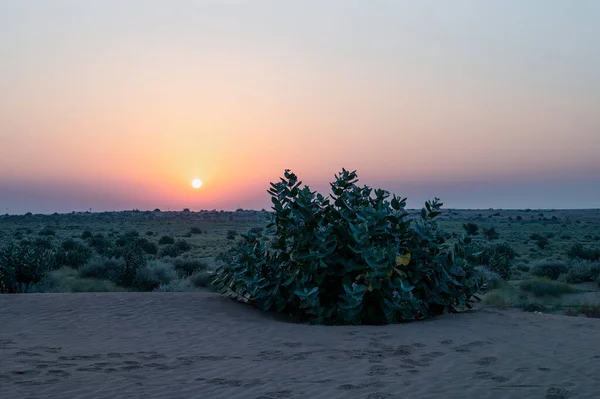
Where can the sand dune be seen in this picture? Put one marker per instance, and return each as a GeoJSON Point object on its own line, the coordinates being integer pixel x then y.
{"type": "Point", "coordinates": [200, 345]}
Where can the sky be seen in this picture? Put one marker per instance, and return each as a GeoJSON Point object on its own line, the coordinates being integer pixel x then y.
{"type": "Point", "coordinates": [119, 104]}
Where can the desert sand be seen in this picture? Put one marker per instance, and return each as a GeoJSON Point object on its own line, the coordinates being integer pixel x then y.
{"type": "Point", "coordinates": [201, 345]}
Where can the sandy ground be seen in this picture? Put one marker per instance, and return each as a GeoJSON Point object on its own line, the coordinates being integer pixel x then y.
{"type": "Point", "coordinates": [200, 345]}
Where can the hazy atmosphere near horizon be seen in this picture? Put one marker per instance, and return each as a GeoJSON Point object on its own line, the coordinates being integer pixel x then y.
{"type": "Point", "coordinates": [115, 105]}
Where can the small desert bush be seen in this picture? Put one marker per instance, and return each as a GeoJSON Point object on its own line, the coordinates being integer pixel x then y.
{"type": "Point", "coordinates": [72, 253]}
{"type": "Point", "coordinates": [201, 279]}
{"type": "Point", "coordinates": [472, 229]}
{"type": "Point", "coordinates": [22, 266]}
{"type": "Point", "coordinates": [591, 310]}
{"type": "Point", "coordinates": [100, 244]}
{"type": "Point", "coordinates": [582, 272]}
{"type": "Point", "coordinates": [148, 246]}
{"type": "Point", "coordinates": [178, 285]}
{"type": "Point", "coordinates": [43, 243]}
{"type": "Point", "coordinates": [540, 287]}
{"type": "Point", "coordinates": [133, 259]}
{"type": "Point", "coordinates": [584, 253]}
{"type": "Point", "coordinates": [187, 266]}
{"type": "Point", "coordinates": [505, 295]}
{"type": "Point", "coordinates": [491, 233]}
{"type": "Point", "coordinates": [195, 230]}
{"type": "Point", "coordinates": [102, 268]}
{"type": "Point", "coordinates": [165, 240]}
{"type": "Point", "coordinates": [491, 280]}
{"type": "Point", "coordinates": [176, 249]}
{"type": "Point", "coordinates": [231, 234]}
{"type": "Point", "coordinates": [496, 299]}
{"type": "Point", "coordinates": [49, 284]}
{"type": "Point", "coordinates": [528, 306]}
{"type": "Point", "coordinates": [93, 285]}
{"type": "Point", "coordinates": [551, 269]}
{"type": "Point", "coordinates": [497, 258]}
{"type": "Point", "coordinates": [127, 238]}
{"type": "Point", "coordinates": [47, 231]}
{"type": "Point", "coordinates": [523, 267]}
{"type": "Point", "coordinates": [153, 274]}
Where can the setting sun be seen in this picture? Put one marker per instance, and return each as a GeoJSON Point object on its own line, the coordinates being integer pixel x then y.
{"type": "Point", "coordinates": [196, 183]}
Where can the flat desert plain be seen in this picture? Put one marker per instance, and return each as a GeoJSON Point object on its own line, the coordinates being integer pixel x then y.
{"type": "Point", "coordinates": [202, 345]}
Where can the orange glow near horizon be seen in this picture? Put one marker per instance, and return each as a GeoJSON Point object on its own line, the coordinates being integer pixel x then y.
{"type": "Point", "coordinates": [129, 108]}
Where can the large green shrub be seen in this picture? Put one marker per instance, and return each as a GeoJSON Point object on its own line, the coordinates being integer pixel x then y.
{"type": "Point", "coordinates": [350, 259]}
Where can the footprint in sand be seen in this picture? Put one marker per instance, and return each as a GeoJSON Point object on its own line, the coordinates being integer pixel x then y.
{"type": "Point", "coordinates": [59, 373]}
{"type": "Point", "coordinates": [486, 361]}
{"type": "Point", "coordinates": [157, 366]}
{"type": "Point", "coordinates": [432, 355]}
{"type": "Point", "coordinates": [81, 357]}
{"type": "Point", "coordinates": [46, 349]}
{"type": "Point", "coordinates": [292, 344]}
{"type": "Point", "coordinates": [37, 383]}
{"type": "Point", "coordinates": [415, 363]}
{"type": "Point", "coordinates": [469, 346]}
{"type": "Point", "coordinates": [378, 395]}
{"type": "Point", "coordinates": [354, 387]}
{"type": "Point", "coordinates": [484, 375]}
{"type": "Point", "coordinates": [25, 372]}
{"type": "Point", "coordinates": [27, 354]}
{"type": "Point", "coordinates": [403, 350]}
{"type": "Point", "coordinates": [131, 363]}
{"type": "Point", "coordinates": [378, 370]}
{"type": "Point", "coordinates": [89, 369]}
{"type": "Point", "coordinates": [280, 394]}
{"type": "Point", "coordinates": [222, 381]}
{"type": "Point", "coordinates": [7, 344]}
{"type": "Point", "coordinates": [377, 344]}
{"type": "Point", "coordinates": [151, 356]}
{"type": "Point", "coordinates": [131, 367]}
{"type": "Point", "coordinates": [557, 393]}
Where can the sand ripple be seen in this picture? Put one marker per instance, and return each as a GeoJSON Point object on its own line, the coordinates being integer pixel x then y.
{"type": "Point", "coordinates": [200, 345]}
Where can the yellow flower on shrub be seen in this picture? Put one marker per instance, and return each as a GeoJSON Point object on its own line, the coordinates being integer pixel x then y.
{"type": "Point", "coordinates": [403, 260]}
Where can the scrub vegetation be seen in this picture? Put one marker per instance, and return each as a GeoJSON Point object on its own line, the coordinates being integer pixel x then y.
{"type": "Point", "coordinates": [537, 260]}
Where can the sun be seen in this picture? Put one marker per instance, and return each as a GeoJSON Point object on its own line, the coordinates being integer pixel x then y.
{"type": "Point", "coordinates": [196, 183]}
